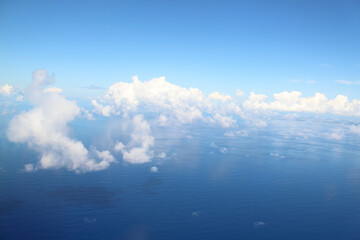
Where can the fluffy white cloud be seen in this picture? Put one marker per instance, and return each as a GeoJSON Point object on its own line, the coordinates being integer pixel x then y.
{"type": "Point", "coordinates": [171, 104]}
{"type": "Point", "coordinates": [6, 90]}
{"type": "Point", "coordinates": [138, 150]}
{"type": "Point", "coordinates": [221, 97]}
{"type": "Point", "coordinates": [294, 102]}
{"type": "Point", "coordinates": [174, 104]}
{"type": "Point", "coordinates": [44, 128]}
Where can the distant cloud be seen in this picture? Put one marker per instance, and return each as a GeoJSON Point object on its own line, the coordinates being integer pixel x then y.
{"type": "Point", "coordinates": [138, 150]}
{"type": "Point", "coordinates": [196, 213]}
{"type": "Point", "coordinates": [278, 155]}
{"type": "Point", "coordinates": [348, 82]}
{"type": "Point", "coordinates": [44, 128]}
{"type": "Point", "coordinates": [334, 135]}
{"type": "Point", "coordinates": [6, 90]}
{"type": "Point", "coordinates": [175, 105]}
{"type": "Point", "coordinates": [154, 169]}
{"type": "Point", "coordinates": [259, 224]}
{"type": "Point", "coordinates": [294, 102]}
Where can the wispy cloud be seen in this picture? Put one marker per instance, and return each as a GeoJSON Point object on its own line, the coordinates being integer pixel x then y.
{"type": "Point", "coordinates": [345, 82]}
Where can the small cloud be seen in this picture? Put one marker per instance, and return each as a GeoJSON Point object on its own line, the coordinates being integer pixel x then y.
{"type": "Point", "coordinates": [334, 135]}
{"type": "Point", "coordinates": [345, 82]}
{"type": "Point", "coordinates": [6, 90]}
{"type": "Point", "coordinates": [196, 213]}
{"type": "Point", "coordinates": [224, 150]}
{"type": "Point", "coordinates": [154, 169]}
{"type": "Point", "coordinates": [90, 220]}
{"type": "Point", "coordinates": [276, 155]}
{"type": "Point", "coordinates": [258, 224]}
{"type": "Point", "coordinates": [29, 168]}
{"type": "Point", "coordinates": [213, 145]}
{"type": "Point", "coordinates": [162, 155]}
{"type": "Point", "coordinates": [20, 98]}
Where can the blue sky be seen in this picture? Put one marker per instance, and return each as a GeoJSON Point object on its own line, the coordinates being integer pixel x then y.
{"type": "Point", "coordinates": [261, 46]}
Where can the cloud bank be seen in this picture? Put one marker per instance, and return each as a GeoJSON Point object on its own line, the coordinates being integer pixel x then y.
{"type": "Point", "coordinates": [294, 102]}
{"type": "Point", "coordinates": [173, 104]}
{"type": "Point", "coordinates": [44, 129]}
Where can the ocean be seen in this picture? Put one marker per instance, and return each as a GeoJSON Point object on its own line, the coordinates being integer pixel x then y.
{"type": "Point", "coordinates": [293, 179]}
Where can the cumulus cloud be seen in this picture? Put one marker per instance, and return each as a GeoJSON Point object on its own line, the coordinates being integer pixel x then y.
{"type": "Point", "coordinates": [221, 97]}
{"type": "Point", "coordinates": [138, 150]}
{"type": "Point", "coordinates": [294, 102]}
{"type": "Point", "coordinates": [44, 129]}
{"type": "Point", "coordinates": [6, 90]}
{"type": "Point", "coordinates": [154, 169]}
{"type": "Point", "coordinates": [173, 104]}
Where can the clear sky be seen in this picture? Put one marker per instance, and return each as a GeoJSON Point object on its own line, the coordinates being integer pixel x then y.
{"type": "Point", "coordinates": [261, 46]}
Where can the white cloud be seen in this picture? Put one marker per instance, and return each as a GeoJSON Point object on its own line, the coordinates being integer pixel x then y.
{"type": "Point", "coordinates": [294, 102]}
{"type": "Point", "coordinates": [53, 90]}
{"type": "Point", "coordinates": [345, 82]}
{"type": "Point", "coordinates": [138, 150]}
{"type": "Point", "coordinates": [223, 150]}
{"type": "Point", "coordinates": [44, 128]}
{"type": "Point", "coordinates": [173, 104]}
{"type": "Point", "coordinates": [334, 135]}
{"type": "Point", "coordinates": [220, 97]}
{"type": "Point", "coordinates": [6, 90]}
{"type": "Point", "coordinates": [154, 169]}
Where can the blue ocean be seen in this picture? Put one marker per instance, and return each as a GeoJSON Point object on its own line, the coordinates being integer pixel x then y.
{"type": "Point", "coordinates": [283, 181]}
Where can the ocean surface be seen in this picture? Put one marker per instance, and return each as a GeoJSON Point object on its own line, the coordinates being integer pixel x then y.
{"type": "Point", "coordinates": [289, 180]}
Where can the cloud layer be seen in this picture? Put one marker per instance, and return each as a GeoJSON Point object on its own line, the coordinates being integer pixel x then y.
{"type": "Point", "coordinates": [44, 128]}
{"type": "Point", "coordinates": [294, 102]}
